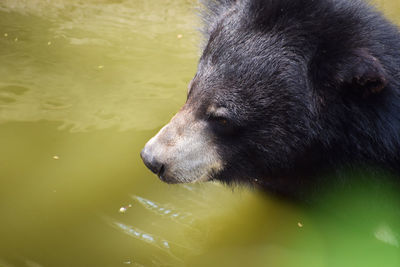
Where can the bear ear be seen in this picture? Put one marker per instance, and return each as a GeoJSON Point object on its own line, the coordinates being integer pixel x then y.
{"type": "Point", "coordinates": [362, 73]}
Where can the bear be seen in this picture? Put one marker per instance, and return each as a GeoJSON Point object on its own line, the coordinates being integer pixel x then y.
{"type": "Point", "coordinates": [286, 92]}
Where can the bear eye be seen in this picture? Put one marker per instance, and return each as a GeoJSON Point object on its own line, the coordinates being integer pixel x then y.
{"type": "Point", "coordinates": [221, 124]}
{"type": "Point", "coordinates": [223, 121]}
{"type": "Point", "coordinates": [218, 119]}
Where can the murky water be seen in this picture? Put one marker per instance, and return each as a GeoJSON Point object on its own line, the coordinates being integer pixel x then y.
{"type": "Point", "coordinates": [83, 85]}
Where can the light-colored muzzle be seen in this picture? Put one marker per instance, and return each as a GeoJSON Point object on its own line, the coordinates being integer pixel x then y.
{"type": "Point", "coordinates": [182, 151]}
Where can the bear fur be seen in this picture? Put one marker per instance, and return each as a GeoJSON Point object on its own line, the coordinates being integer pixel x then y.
{"type": "Point", "coordinates": [311, 87]}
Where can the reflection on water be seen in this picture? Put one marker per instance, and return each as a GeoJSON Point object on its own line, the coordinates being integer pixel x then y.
{"type": "Point", "coordinates": [165, 211]}
{"type": "Point", "coordinates": [146, 237]}
{"type": "Point", "coordinates": [83, 86]}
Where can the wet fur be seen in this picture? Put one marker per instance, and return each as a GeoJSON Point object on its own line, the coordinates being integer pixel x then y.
{"type": "Point", "coordinates": [312, 87]}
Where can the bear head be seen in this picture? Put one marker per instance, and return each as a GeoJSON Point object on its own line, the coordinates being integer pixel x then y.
{"type": "Point", "coordinates": [283, 90]}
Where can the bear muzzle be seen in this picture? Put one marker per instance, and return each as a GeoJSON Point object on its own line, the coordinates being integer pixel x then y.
{"type": "Point", "coordinates": [157, 167]}
{"type": "Point", "coordinates": [182, 151]}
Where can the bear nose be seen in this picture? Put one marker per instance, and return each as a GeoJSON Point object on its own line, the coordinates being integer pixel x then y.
{"type": "Point", "coordinates": [151, 162]}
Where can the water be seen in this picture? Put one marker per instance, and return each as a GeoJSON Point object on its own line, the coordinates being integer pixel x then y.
{"type": "Point", "coordinates": [84, 84]}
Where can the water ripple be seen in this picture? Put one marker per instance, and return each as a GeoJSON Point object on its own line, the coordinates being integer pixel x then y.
{"type": "Point", "coordinates": [148, 238]}
{"type": "Point", "coordinates": [166, 210]}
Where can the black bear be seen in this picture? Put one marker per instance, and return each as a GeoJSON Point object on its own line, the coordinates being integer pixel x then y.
{"type": "Point", "coordinates": [286, 91]}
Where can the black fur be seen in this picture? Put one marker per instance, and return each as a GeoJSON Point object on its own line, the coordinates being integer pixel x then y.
{"type": "Point", "coordinates": [312, 87]}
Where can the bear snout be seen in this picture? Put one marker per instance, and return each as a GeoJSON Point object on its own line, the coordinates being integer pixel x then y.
{"type": "Point", "coordinates": [182, 151]}
{"type": "Point", "coordinates": [154, 164]}
{"type": "Point", "coordinates": [151, 162]}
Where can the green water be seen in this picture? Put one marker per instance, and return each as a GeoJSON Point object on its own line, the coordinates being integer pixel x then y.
{"type": "Point", "coordinates": [83, 85]}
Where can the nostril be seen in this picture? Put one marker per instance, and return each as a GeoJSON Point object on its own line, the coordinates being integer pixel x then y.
{"type": "Point", "coordinates": [154, 165]}
{"type": "Point", "coordinates": [161, 170]}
